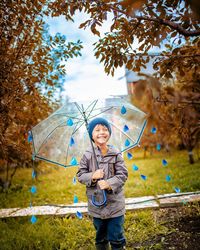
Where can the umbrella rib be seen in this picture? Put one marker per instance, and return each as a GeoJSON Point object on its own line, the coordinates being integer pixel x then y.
{"type": "Point", "coordinates": [54, 162]}
{"type": "Point", "coordinates": [33, 143]}
{"type": "Point", "coordinates": [121, 131]}
{"type": "Point", "coordinates": [86, 123]}
{"type": "Point", "coordinates": [49, 135]}
{"type": "Point", "coordinates": [95, 102]}
{"type": "Point", "coordinates": [69, 116]}
{"type": "Point", "coordinates": [92, 109]}
{"type": "Point", "coordinates": [74, 131]}
{"type": "Point", "coordinates": [84, 111]}
{"type": "Point", "coordinates": [140, 135]}
{"type": "Point", "coordinates": [68, 147]}
{"type": "Point", "coordinates": [100, 112]}
{"type": "Point", "coordinates": [76, 122]}
{"type": "Point", "coordinates": [78, 107]}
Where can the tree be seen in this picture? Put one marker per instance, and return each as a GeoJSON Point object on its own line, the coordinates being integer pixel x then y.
{"type": "Point", "coordinates": [183, 96]}
{"type": "Point", "coordinates": [148, 23]}
{"type": "Point", "coordinates": [31, 66]}
{"type": "Point", "coordinates": [159, 133]}
{"type": "Point", "coordinates": [174, 106]}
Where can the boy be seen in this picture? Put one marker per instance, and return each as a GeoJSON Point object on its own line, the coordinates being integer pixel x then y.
{"type": "Point", "coordinates": [110, 176]}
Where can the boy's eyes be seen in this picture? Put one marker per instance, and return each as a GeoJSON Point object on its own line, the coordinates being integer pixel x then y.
{"type": "Point", "coordinates": [98, 129]}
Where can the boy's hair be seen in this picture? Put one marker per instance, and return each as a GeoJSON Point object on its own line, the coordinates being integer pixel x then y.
{"type": "Point", "coordinates": [99, 120]}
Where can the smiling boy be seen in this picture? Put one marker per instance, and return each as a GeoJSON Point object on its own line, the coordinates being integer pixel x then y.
{"type": "Point", "coordinates": [110, 175]}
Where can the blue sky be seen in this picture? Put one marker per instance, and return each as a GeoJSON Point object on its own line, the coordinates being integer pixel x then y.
{"type": "Point", "coordinates": [86, 78]}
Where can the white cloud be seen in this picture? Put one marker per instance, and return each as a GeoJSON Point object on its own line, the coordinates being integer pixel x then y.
{"type": "Point", "coordinates": [95, 85]}
{"type": "Point", "coordinates": [86, 78]}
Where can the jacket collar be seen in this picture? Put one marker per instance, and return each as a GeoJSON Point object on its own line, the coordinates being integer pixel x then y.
{"type": "Point", "coordinates": [111, 150]}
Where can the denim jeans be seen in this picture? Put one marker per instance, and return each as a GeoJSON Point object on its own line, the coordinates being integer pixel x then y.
{"type": "Point", "coordinates": [110, 230]}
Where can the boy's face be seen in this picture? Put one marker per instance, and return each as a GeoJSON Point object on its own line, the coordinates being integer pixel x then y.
{"type": "Point", "coordinates": [100, 135]}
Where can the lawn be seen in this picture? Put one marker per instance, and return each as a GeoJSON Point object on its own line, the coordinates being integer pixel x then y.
{"type": "Point", "coordinates": [56, 185]}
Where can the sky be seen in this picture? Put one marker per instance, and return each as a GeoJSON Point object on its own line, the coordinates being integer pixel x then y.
{"type": "Point", "coordinates": [86, 79]}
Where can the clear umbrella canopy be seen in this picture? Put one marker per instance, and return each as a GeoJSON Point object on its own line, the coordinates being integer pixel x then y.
{"type": "Point", "coordinates": [62, 138]}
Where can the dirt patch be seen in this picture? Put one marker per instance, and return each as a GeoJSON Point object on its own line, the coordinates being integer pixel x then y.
{"type": "Point", "coordinates": [183, 224]}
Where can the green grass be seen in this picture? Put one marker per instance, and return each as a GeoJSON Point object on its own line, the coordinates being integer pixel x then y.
{"type": "Point", "coordinates": [183, 175]}
{"type": "Point", "coordinates": [55, 186]}
{"type": "Point", "coordinates": [48, 233]}
{"type": "Point", "coordinates": [69, 232]}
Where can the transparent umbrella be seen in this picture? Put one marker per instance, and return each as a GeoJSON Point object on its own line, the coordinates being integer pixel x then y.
{"type": "Point", "coordinates": [62, 138]}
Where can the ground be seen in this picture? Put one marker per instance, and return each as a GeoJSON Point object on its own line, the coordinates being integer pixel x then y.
{"type": "Point", "coordinates": [183, 225]}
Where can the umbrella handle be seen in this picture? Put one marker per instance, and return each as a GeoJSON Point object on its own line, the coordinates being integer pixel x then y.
{"type": "Point", "coordinates": [99, 204]}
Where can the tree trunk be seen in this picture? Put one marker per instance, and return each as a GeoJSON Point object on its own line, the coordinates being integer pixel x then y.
{"type": "Point", "coordinates": [191, 157]}
{"type": "Point", "coordinates": [151, 151]}
{"type": "Point", "coordinates": [197, 151]}
{"type": "Point", "coordinates": [145, 151]}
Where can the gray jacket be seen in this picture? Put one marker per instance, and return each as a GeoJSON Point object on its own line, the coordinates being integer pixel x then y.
{"type": "Point", "coordinates": [115, 173]}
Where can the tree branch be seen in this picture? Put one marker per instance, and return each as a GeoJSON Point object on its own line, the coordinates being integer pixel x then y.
{"type": "Point", "coordinates": [166, 55]}
{"type": "Point", "coordinates": [182, 102]}
{"type": "Point", "coordinates": [172, 25]}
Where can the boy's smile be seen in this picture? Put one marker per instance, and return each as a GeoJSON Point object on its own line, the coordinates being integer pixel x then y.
{"type": "Point", "coordinates": [100, 135]}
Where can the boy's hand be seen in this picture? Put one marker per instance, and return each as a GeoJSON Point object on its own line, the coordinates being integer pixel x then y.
{"type": "Point", "coordinates": [98, 174]}
{"type": "Point", "coordinates": [103, 184]}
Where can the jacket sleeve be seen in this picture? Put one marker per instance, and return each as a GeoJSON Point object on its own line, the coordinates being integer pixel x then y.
{"type": "Point", "coordinates": [121, 174]}
{"type": "Point", "coordinates": [83, 174]}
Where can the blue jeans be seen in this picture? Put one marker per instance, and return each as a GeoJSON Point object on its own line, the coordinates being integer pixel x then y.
{"type": "Point", "coordinates": [110, 230]}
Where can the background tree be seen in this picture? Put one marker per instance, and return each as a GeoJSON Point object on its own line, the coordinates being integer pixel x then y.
{"type": "Point", "coordinates": [159, 133]}
{"type": "Point", "coordinates": [31, 69]}
{"type": "Point", "coordinates": [147, 24]}
{"type": "Point", "coordinates": [184, 94]}
{"type": "Point", "coordinates": [174, 105]}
